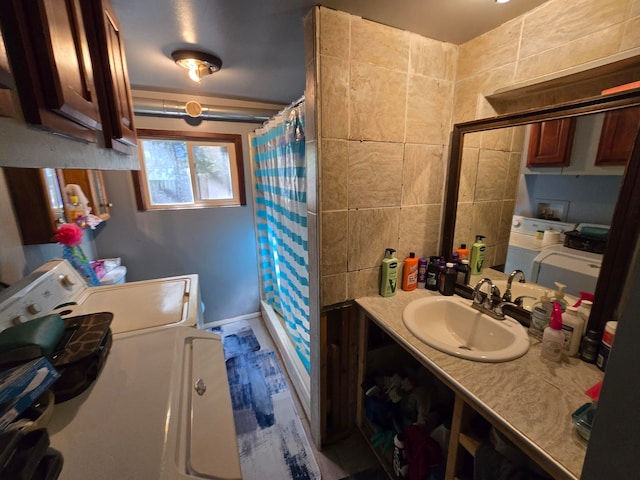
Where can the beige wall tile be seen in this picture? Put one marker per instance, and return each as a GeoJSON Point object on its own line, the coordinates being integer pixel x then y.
{"type": "Point", "coordinates": [429, 110]}
{"type": "Point", "coordinates": [489, 257]}
{"type": "Point", "coordinates": [334, 289]}
{"type": "Point", "coordinates": [423, 174]}
{"type": "Point", "coordinates": [377, 100]}
{"type": "Point", "coordinates": [334, 174]}
{"type": "Point", "coordinates": [379, 44]}
{"type": "Point", "coordinates": [468, 174]}
{"type": "Point", "coordinates": [375, 174]}
{"type": "Point", "coordinates": [472, 139]}
{"type": "Point", "coordinates": [469, 93]}
{"type": "Point", "coordinates": [553, 24]}
{"type": "Point", "coordinates": [486, 219]}
{"type": "Point", "coordinates": [587, 49]}
{"type": "Point", "coordinates": [310, 103]}
{"type": "Point", "coordinates": [631, 35]}
{"type": "Point", "coordinates": [500, 256]}
{"type": "Point", "coordinates": [635, 9]}
{"type": "Point", "coordinates": [334, 33]}
{"type": "Point", "coordinates": [489, 51]}
{"type": "Point", "coordinates": [492, 175]}
{"type": "Point", "coordinates": [370, 232]}
{"type": "Point", "coordinates": [517, 143]}
{"type": "Point", "coordinates": [363, 283]}
{"type": "Point", "coordinates": [335, 227]}
{"type": "Point", "coordinates": [419, 230]}
{"type": "Point", "coordinates": [433, 58]}
{"type": "Point", "coordinates": [513, 176]}
{"type": "Point", "coordinates": [334, 97]}
{"type": "Point", "coordinates": [309, 24]}
{"type": "Point", "coordinates": [506, 215]}
{"type": "Point", "coordinates": [311, 160]}
{"type": "Point", "coordinates": [499, 139]}
{"type": "Point", "coordinates": [464, 221]}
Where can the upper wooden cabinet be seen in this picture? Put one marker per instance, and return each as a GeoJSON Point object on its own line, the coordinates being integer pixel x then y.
{"type": "Point", "coordinates": [110, 75]}
{"type": "Point", "coordinates": [48, 50]}
{"type": "Point", "coordinates": [550, 143]}
{"type": "Point", "coordinates": [619, 131]}
{"type": "Point", "coordinates": [68, 61]}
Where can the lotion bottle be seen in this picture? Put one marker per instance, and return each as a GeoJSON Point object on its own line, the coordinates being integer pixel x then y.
{"type": "Point", "coordinates": [389, 274]}
{"type": "Point", "coordinates": [540, 315]}
{"type": "Point", "coordinates": [553, 339]}
{"type": "Point", "coordinates": [572, 326]}
{"type": "Point", "coordinates": [477, 255]}
{"type": "Point", "coordinates": [410, 273]}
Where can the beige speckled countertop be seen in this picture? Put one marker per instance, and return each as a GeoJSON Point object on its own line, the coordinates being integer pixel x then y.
{"type": "Point", "coordinates": [529, 399]}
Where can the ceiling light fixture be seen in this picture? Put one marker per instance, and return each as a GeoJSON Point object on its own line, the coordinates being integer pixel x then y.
{"type": "Point", "coordinates": [199, 64]}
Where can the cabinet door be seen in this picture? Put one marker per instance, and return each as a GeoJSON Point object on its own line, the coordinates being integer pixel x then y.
{"type": "Point", "coordinates": [111, 76]}
{"type": "Point", "coordinates": [550, 143]}
{"type": "Point", "coordinates": [38, 203]}
{"type": "Point", "coordinates": [6, 84]}
{"type": "Point", "coordinates": [92, 184]}
{"type": "Point", "coordinates": [49, 56]}
{"type": "Point", "coordinates": [618, 135]}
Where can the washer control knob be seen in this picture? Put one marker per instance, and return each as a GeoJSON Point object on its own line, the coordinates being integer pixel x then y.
{"type": "Point", "coordinates": [516, 223]}
{"type": "Point", "coordinates": [34, 308]}
{"type": "Point", "coordinates": [18, 319]}
{"type": "Point", "coordinates": [66, 280]}
{"type": "Point", "coordinates": [200, 387]}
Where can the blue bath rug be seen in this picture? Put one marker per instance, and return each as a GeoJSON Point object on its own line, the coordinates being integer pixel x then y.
{"type": "Point", "coordinates": [271, 439]}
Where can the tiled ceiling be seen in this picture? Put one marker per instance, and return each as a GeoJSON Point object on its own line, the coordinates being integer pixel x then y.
{"type": "Point", "coordinates": [261, 41]}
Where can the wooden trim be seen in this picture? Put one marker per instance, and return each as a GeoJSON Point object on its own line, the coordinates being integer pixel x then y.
{"type": "Point", "coordinates": [138, 176]}
{"type": "Point", "coordinates": [623, 236]}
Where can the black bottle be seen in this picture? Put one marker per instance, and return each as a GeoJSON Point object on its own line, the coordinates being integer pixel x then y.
{"type": "Point", "coordinates": [433, 272]}
{"type": "Point", "coordinates": [464, 273]}
{"type": "Point", "coordinates": [589, 347]}
{"type": "Point", "coordinates": [447, 282]}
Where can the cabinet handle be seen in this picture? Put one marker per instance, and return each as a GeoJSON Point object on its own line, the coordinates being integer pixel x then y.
{"type": "Point", "coordinates": [200, 387]}
{"type": "Point", "coordinates": [106, 205]}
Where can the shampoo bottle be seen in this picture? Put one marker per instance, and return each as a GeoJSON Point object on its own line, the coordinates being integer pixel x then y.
{"type": "Point", "coordinates": [422, 272]}
{"type": "Point", "coordinates": [389, 276]}
{"type": "Point", "coordinates": [553, 339]}
{"type": "Point", "coordinates": [477, 255]}
{"type": "Point", "coordinates": [540, 316]}
{"type": "Point", "coordinates": [410, 273]}
{"type": "Point", "coordinates": [558, 296]}
{"type": "Point", "coordinates": [463, 252]}
{"type": "Point", "coordinates": [433, 273]}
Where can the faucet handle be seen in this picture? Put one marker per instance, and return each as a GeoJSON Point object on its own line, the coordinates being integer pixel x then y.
{"type": "Point", "coordinates": [520, 300]}
{"type": "Point", "coordinates": [498, 308]}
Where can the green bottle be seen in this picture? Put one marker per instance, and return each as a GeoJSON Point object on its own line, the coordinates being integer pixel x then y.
{"type": "Point", "coordinates": [389, 275]}
{"type": "Point", "coordinates": [477, 255]}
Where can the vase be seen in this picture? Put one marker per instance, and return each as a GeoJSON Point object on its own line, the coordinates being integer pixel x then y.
{"type": "Point", "coordinates": [77, 258]}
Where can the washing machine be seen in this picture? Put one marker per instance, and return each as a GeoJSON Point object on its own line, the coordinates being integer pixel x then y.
{"type": "Point", "coordinates": [524, 246]}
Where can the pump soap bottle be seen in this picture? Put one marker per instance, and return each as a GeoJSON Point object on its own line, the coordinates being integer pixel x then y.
{"type": "Point", "coordinates": [540, 315]}
{"type": "Point", "coordinates": [558, 296]}
{"type": "Point", "coordinates": [389, 275]}
{"type": "Point", "coordinates": [477, 255]}
{"type": "Point", "coordinates": [553, 339]}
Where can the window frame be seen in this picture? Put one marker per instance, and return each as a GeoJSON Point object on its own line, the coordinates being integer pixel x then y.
{"type": "Point", "coordinates": [234, 141]}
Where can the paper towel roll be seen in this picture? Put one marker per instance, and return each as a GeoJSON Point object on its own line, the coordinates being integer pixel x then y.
{"type": "Point", "coordinates": [550, 237]}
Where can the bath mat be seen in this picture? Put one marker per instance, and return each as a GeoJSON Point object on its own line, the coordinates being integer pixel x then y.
{"type": "Point", "coordinates": [271, 439]}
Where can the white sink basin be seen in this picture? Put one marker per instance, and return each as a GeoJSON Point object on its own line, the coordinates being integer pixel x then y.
{"type": "Point", "coordinates": [452, 326]}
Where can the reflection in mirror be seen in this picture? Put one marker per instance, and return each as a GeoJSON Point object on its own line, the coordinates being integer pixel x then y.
{"type": "Point", "coordinates": [524, 207]}
{"type": "Point", "coordinates": [497, 187]}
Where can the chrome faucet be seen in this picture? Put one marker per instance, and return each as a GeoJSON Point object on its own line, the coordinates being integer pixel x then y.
{"type": "Point", "coordinates": [507, 293]}
{"type": "Point", "coordinates": [486, 306]}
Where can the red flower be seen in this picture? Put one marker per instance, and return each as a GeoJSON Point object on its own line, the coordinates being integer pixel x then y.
{"type": "Point", "coordinates": [69, 234]}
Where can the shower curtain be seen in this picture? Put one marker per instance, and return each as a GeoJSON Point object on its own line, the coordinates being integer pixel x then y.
{"type": "Point", "coordinates": [281, 218]}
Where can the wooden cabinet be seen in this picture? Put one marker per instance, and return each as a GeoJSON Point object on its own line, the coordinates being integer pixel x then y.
{"type": "Point", "coordinates": [619, 131]}
{"type": "Point", "coordinates": [49, 55]}
{"type": "Point", "coordinates": [550, 143]}
{"type": "Point", "coordinates": [67, 57]}
{"type": "Point", "coordinates": [6, 84]}
{"type": "Point", "coordinates": [110, 75]}
{"type": "Point", "coordinates": [92, 184]}
{"type": "Point", "coordinates": [38, 203]}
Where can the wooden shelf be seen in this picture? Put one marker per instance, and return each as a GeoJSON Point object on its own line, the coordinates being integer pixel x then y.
{"type": "Point", "coordinates": [469, 443]}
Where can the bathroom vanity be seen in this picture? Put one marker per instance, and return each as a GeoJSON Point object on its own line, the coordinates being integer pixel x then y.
{"type": "Point", "coordinates": [528, 400]}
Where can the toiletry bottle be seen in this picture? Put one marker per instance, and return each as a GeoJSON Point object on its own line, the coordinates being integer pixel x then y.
{"type": "Point", "coordinates": [477, 255]}
{"type": "Point", "coordinates": [464, 273]}
{"type": "Point", "coordinates": [584, 311]}
{"type": "Point", "coordinates": [389, 276]}
{"type": "Point", "coordinates": [447, 282]}
{"type": "Point", "coordinates": [605, 344]}
{"type": "Point", "coordinates": [410, 273]}
{"type": "Point", "coordinates": [463, 252]}
{"type": "Point", "coordinates": [77, 212]}
{"type": "Point", "coordinates": [455, 259]}
{"type": "Point", "coordinates": [422, 272]}
{"type": "Point", "coordinates": [589, 347]}
{"type": "Point", "coordinates": [433, 272]}
{"type": "Point", "coordinates": [540, 316]}
{"type": "Point", "coordinates": [558, 296]}
{"type": "Point", "coordinates": [572, 331]}
{"type": "Point", "coordinates": [553, 339]}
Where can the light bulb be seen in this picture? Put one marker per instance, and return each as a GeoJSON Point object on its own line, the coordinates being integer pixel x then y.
{"type": "Point", "coordinates": [194, 74]}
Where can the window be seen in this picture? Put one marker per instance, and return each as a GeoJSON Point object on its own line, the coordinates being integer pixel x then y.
{"type": "Point", "coordinates": [188, 170]}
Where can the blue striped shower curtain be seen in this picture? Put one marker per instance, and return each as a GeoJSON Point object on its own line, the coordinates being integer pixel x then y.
{"type": "Point", "coordinates": [281, 217]}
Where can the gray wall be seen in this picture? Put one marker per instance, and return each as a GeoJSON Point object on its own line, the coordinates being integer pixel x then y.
{"type": "Point", "coordinates": [216, 243]}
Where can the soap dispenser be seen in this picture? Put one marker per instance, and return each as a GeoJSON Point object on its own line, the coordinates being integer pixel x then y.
{"type": "Point", "coordinates": [558, 296]}
{"type": "Point", "coordinates": [389, 276]}
{"type": "Point", "coordinates": [553, 339]}
{"type": "Point", "coordinates": [540, 316]}
{"type": "Point", "coordinates": [477, 255]}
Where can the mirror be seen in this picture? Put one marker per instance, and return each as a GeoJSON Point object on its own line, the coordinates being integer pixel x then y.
{"type": "Point", "coordinates": [489, 182]}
